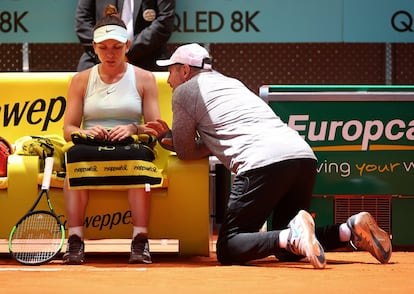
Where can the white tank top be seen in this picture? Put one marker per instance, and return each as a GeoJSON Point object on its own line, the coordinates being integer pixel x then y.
{"type": "Point", "coordinates": [111, 104]}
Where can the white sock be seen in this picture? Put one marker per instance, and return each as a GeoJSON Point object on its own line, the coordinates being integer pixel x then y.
{"type": "Point", "coordinates": [76, 231]}
{"type": "Point", "coordinates": [138, 230]}
{"type": "Point", "coordinates": [344, 233]}
{"type": "Point", "coordinates": [283, 237]}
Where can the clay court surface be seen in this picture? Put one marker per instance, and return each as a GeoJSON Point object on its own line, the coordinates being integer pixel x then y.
{"type": "Point", "coordinates": [107, 271]}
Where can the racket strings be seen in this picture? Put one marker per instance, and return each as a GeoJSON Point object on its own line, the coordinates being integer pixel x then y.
{"type": "Point", "coordinates": [37, 238]}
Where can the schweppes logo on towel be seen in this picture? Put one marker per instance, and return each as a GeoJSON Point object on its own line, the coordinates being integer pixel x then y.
{"type": "Point", "coordinates": [118, 167]}
{"type": "Point", "coordinates": [107, 174]}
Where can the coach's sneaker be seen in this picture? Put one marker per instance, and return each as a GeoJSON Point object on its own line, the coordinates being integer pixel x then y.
{"type": "Point", "coordinates": [367, 235]}
{"type": "Point", "coordinates": [140, 250]}
{"type": "Point", "coordinates": [302, 239]}
{"type": "Point", "coordinates": [75, 251]}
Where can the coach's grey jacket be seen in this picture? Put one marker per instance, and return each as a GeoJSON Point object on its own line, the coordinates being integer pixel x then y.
{"type": "Point", "coordinates": [150, 37]}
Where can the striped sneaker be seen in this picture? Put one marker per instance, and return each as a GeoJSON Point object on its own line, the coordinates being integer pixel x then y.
{"type": "Point", "coordinates": [367, 235]}
{"type": "Point", "coordinates": [302, 239]}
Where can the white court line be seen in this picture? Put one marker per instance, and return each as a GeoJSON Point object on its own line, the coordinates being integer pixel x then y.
{"type": "Point", "coordinates": [16, 269]}
{"type": "Point", "coordinates": [66, 268]}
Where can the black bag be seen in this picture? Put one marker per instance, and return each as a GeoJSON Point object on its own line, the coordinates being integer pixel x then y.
{"type": "Point", "coordinates": [91, 163]}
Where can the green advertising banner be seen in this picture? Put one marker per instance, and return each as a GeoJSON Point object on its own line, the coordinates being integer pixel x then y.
{"type": "Point", "coordinates": [364, 140]}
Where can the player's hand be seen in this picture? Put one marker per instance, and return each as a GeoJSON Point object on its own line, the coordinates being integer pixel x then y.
{"type": "Point", "coordinates": [121, 132]}
{"type": "Point", "coordinates": [99, 132]}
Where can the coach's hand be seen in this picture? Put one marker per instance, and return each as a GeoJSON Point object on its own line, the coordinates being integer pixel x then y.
{"type": "Point", "coordinates": [162, 132]}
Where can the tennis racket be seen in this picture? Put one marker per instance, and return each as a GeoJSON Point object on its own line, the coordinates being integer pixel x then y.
{"type": "Point", "coordinates": [39, 235]}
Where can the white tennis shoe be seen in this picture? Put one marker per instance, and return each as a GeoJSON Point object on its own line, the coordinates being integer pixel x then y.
{"type": "Point", "coordinates": [367, 235]}
{"type": "Point", "coordinates": [302, 239]}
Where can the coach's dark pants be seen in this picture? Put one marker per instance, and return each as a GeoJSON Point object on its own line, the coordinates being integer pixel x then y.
{"type": "Point", "coordinates": [280, 190]}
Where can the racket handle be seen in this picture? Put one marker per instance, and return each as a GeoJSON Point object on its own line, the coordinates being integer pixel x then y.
{"type": "Point", "coordinates": [47, 173]}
